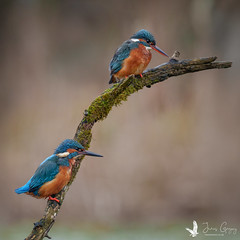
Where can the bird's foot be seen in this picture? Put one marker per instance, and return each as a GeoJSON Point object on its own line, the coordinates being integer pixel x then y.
{"type": "Point", "coordinates": [138, 75]}
{"type": "Point", "coordinates": [54, 199]}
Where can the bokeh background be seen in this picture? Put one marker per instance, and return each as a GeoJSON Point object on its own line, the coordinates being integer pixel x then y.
{"type": "Point", "coordinates": [171, 153]}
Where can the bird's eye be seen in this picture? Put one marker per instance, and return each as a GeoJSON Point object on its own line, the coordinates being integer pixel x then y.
{"type": "Point", "coordinates": [148, 41]}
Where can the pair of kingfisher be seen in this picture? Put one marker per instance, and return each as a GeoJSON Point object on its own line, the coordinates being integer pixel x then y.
{"type": "Point", "coordinates": [54, 173]}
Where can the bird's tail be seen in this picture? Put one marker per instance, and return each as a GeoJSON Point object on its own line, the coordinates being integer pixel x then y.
{"type": "Point", "coordinates": [23, 189]}
{"type": "Point", "coordinates": [112, 79]}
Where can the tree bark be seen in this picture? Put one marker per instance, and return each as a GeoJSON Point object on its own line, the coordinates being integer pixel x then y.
{"type": "Point", "coordinates": [102, 105]}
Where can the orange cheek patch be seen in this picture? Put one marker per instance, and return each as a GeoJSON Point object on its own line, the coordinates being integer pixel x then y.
{"type": "Point", "coordinates": [72, 150]}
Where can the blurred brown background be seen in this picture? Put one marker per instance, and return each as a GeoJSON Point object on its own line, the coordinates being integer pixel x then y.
{"type": "Point", "coordinates": [171, 152]}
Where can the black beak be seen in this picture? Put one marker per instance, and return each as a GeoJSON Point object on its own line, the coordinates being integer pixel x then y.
{"type": "Point", "coordinates": [157, 49]}
{"type": "Point", "coordinates": [85, 152]}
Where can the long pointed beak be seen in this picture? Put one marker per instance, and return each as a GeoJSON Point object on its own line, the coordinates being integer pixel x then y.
{"type": "Point", "coordinates": [157, 49]}
{"type": "Point", "coordinates": [85, 152]}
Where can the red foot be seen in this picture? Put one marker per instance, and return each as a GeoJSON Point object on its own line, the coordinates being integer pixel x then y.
{"type": "Point", "coordinates": [53, 199]}
{"type": "Point", "coordinates": [141, 75]}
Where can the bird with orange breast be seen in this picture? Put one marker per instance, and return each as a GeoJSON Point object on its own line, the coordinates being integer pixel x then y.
{"type": "Point", "coordinates": [133, 56]}
{"type": "Point", "coordinates": [54, 172]}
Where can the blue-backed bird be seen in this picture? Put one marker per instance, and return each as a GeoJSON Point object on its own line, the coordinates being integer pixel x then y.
{"type": "Point", "coordinates": [133, 56]}
{"type": "Point", "coordinates": [54, 172]}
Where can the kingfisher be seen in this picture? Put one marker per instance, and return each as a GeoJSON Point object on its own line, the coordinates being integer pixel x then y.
{"type": "Point", "coordinates": [54, 173]}
{"type": "Point", "coordinates": [133, 56]}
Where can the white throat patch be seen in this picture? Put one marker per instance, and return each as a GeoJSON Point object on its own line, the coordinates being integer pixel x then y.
{"type": "Point", "coordinates": [62, 155]}
{"type": "Point", "coordinates": [135, 40]}
{"type": "Point", "coordinates": [148, 48]}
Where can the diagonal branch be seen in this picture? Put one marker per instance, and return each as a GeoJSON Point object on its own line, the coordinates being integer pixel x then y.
{"type": "Point", "coordinates": [102, 105]}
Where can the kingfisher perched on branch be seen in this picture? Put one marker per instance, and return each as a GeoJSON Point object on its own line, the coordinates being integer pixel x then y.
{"type": "Point", "coordinates": [54, 172]}
{"type": "Point", "coordinates": [133, 56]}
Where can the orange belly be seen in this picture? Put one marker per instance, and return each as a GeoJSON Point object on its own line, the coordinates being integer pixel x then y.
{"type": "Point", "coordinates": [136, 63]}
{"type": "Point", "coordinates": [57, 184]}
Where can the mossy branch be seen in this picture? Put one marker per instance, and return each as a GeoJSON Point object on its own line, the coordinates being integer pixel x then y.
{"type": "Point", "coordinates": [102, 105]}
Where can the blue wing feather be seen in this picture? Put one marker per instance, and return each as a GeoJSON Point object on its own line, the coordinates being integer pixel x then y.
{"type": "Point", "coordinates": [120, 55]}
{"type": "Point", "coordinates": [24, 188]}
{"type": "Point", "coordinates": [46, 172]}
